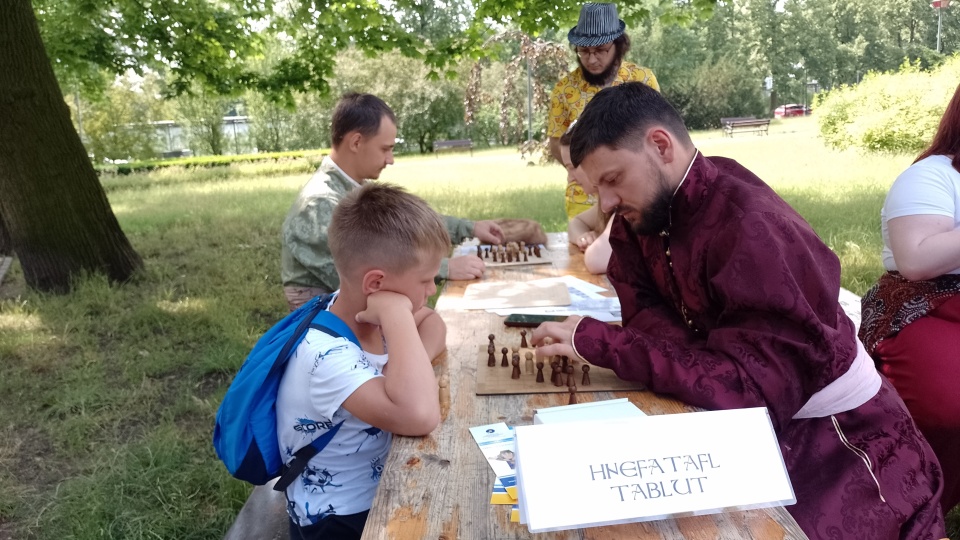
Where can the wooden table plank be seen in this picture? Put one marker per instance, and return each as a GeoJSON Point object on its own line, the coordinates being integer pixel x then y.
{"type": "Point", "coordinates": [438, 487]}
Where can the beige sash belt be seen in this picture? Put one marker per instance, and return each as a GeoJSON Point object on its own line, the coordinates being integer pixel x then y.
{"type": "Point", "coordinates": [852, 389]}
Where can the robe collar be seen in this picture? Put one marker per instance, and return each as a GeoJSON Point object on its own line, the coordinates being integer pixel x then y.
{"type": "Point", "coordinates": [685, 194]}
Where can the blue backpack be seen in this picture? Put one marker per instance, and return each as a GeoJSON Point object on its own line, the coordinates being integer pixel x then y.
{"type": "Point", "coordinates": [245, 434]}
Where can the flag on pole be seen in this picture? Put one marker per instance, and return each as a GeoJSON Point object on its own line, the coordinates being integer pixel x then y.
{"type": "Point", "coordinates": [940, 4]}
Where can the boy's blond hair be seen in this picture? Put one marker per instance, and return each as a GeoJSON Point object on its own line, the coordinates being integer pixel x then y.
{"type": "Point", "coordinates": [381, 225]}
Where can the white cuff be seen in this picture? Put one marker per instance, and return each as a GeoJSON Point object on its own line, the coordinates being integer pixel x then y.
{"type": "Point", "coordinates": [573, 340]}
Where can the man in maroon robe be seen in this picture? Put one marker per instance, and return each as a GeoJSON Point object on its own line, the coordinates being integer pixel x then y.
{"type": "Point", "coordinates": [730, 300]}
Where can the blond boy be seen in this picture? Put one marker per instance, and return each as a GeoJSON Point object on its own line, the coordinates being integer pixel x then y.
{"type": "Point", "coordinates": [387, 245]}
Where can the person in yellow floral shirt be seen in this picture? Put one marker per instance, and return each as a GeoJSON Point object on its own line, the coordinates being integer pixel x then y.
{"type": "Point", "coordinates": [601, 44]}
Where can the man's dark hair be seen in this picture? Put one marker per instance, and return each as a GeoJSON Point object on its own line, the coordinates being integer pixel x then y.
{"type": "Point", "coordinates": [622, 43]}
{"type": "Point", "coordinates": [618, 116]}
{"type": "Point", "coordinates": [358, 112]}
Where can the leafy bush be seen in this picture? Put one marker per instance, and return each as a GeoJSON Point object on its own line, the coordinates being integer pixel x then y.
{"type": "Point", "coordinates": [888, 112]}
{"type": "Point", "coordinates": [716, 90]}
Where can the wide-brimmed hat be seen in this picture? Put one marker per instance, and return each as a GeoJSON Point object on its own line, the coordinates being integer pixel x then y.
{"type": "Point", "coordinates": [598, 24]}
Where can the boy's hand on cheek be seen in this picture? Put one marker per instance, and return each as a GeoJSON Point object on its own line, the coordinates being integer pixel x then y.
{"type": "Point", "coordinates": [383, 304]}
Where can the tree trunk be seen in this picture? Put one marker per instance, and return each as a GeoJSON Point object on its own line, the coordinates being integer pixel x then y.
{"type": "Point", "coordinates": [52, 203]}
{"type": "Point", "coordinates": [6, 247]}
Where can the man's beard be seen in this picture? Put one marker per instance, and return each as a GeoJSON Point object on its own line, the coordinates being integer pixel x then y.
{"type": "Point", "coordinates": [603, 78]}
{"type": "Point", "coordinates": [656, 216]}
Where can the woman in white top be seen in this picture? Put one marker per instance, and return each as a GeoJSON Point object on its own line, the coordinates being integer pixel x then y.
{"type": "Point", "coordinates": [911, 317]}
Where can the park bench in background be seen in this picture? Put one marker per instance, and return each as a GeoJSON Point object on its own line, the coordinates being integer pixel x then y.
{"type": "Point", "coordinates": [745, 124]}
{"type": "Point", "coordinates": [449, 145]}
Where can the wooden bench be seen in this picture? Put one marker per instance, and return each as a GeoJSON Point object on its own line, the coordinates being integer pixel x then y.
{"type": "Point", "coordinates": [448, 145]}
{"type": "Point", "coordinates": [745, 124]}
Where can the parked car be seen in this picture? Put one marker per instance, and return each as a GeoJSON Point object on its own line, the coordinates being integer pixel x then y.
{"type": "Point", "coordinates": [791, 109]}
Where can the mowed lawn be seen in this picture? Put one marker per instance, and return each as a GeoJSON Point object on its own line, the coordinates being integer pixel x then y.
{"type": "Point", "coordinates": [109, 393]}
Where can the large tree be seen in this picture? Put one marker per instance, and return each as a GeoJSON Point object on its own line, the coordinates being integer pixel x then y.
{"type": "Point", "coordinates": [52, 206]}
{"type": "Point", "coordinates": [55, 211]}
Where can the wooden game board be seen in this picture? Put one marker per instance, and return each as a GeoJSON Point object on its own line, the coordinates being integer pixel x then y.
{"type": "Point", "coordinates": [546, 257]}
{"type": "Point", "coordinates": [496, 380]}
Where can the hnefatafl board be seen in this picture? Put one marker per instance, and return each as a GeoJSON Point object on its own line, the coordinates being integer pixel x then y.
{"type": "Point", "coordinates": [498, 379]}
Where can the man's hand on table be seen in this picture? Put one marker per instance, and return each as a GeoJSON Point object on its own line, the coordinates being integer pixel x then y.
{"type": "Point", "coordinates": [488, 232]}
{"type": "Point", "coordinates": [465, 267]}
{"type": "Point", "coordinates": [556, 338]}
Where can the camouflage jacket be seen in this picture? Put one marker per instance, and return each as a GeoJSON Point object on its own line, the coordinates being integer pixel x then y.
{"type": "Point", "coordinates": [305, 260]}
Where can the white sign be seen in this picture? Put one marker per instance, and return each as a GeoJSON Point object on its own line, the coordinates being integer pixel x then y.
{"type": "Point", "coordinates": [647, 468]}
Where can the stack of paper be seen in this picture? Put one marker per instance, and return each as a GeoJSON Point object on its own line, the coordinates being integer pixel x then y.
{"type": "Point", "coordinates": [591, 410]}
{"type": "Point", "coordinates": [498, 446]}
{"type": "Point", "coordinates": [585, 300]}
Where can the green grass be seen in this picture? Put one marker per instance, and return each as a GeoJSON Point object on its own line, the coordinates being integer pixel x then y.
{"type": "Point", "coordinates": [110, 391]}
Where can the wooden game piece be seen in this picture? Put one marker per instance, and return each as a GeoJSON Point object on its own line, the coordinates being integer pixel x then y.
{"type": "Point", "coordinates": [565, 361]}
{"type": "Point", "coordinates": [573, 395]}
{"type": "Point", "coordinates": [569, 378]}
{"type": "Point", "coordinates": [491, 358]}
{"type": "Point", "coordinates": [555, 377]}
{"type": "Point", "coordinates": [491, 337]}
{"type": "Point", "coordinates": [503, 255]}
{"type": "Point", "coordinates": [528, 365]}
{"type": "Point", "coordinates": [523, 339]}
{"type": "Point", "coordinates": [516, 367]}
{"type": "Point", "coordinates": [486, 253]}
{"type": "Point", "coordinates": [586, 375]}
{"type": "Point", "coordinates": [540, 371]}
{"type": "Point", "coordinates": [523, 245]}
{"type": "Point", "coordinates": [536, 250]}
{"type": "Point", "coordinates": [524, 256]}
{"type": "Point", "coordinates": [504, 362]}
{"type": "Point", "coordinates": [479, 251]}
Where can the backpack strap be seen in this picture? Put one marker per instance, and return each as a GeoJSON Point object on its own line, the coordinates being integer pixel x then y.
{"type": "Point", "coordinates": [329, 324]}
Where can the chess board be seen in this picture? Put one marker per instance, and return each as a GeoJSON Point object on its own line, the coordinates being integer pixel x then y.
{"type": "Point", "coordinates": [497, 379]}
{"type": "Point", "coordinates": [546, 256]}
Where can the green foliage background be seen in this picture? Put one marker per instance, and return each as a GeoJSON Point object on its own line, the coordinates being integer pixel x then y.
{"type": "Point", "coordinates": [889, 112]}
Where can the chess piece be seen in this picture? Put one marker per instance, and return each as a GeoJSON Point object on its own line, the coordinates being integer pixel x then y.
{"type": "Point", "coordinates": [490, 337]}
{"type": "Point", "coordinates": [504, 362]}
{"type": "Point", "coordinates": [573, 394]}
{"type": "Point", "coordinates": [555, 376]}
{"type": "Point", "coordinates": [540, 371]}
{"type": "Point", "coordinates": [586, 375]}
{"type": "Point", "coordinates": [523, 339]}
{"type": "Point", "coordinates": [569, 378]}
{"type": "Point", "coordinates": [565, 362]}
{"type": "Point", "coordinates": [536, 250]}
{"type": "Point", "coordinates": [528, 365]}
{"type": "Point", "coordinates": [479, 251]}
{"type": "Point", "coordinates": [491, 358]}
{"type": "Point", "coordinates": [509, 257]}
{"type": "Point", "coordinates": [486, 253]}
{"type": "Point", "coordinates": [523, 245]}
{"type": "Point", "coordinates": [516, 367]}
{"type": "Point", "coordinates": [503, 255]}
{"type": "Point", "coordinates": [524, 257]}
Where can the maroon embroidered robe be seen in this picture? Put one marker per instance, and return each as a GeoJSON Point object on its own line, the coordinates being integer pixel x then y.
{"type": "Point", "coordinates": [737, 306]}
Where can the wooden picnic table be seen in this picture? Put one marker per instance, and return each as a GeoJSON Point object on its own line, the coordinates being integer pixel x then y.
{"type": "Point", "coordinates": [438, 487]}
